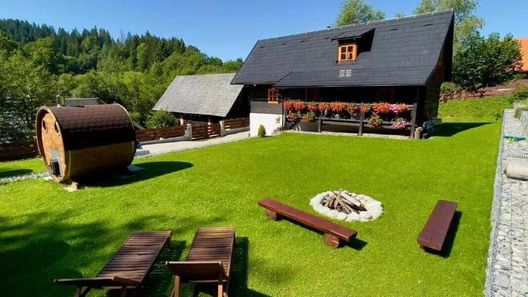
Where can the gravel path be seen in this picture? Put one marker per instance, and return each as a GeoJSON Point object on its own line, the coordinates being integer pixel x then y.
{"type": "Point", "coordinates": [507, 272]}
{"type": "Point", "coordinates": [163, 148]}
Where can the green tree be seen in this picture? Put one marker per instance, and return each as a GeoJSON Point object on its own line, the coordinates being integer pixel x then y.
{"type": "Point", "coordinates": [161, 119]}
{"type": "Point", "coordinates": [486, 62]}
{"type": "Point", "coordinates": [467, 23]}
{"type": "Point", "coordinates": [357, 11]}
{"type": "Point", "coordinates": [25, 87]}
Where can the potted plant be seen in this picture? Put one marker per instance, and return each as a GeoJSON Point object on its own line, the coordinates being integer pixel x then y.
{"type": "Point", "coordinates": [307, 122]}
{"type": "Point", "coordinates": [399, 123]}
{"type": "Point", "coordinates": [375, 121]}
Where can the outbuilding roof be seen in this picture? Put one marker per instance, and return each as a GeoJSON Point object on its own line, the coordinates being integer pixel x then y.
{"type": "Point", "coordinates": [403, 51]}
{"type": "Point", "coordinates": [209, 94]}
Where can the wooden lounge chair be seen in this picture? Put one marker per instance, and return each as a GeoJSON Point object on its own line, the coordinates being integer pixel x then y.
{"type": "Point", "coordinates": [334, 235]}
{"type": "Point", "coordinates": [129, 266]}
{"type": "Point", "coordinates": [435, 230]}
{"type": "Point", "coordinates": [209, 260]}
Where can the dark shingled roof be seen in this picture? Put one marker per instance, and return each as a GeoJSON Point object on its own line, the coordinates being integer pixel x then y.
{"type": "Point", "coordinates": [404, 51]}
{"type": "Point", "coordinates": [92, 125]}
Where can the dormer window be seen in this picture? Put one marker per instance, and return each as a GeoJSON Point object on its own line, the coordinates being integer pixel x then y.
{"type": "Point", "coordinates": [347, 52]}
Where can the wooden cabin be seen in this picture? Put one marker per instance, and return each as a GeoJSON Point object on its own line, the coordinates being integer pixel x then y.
{"type": "Point", "coordinates": [84, 140]}
{"type": "Point", "coordinates": [402, 60]}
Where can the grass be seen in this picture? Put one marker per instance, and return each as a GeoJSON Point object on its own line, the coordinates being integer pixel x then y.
{"type": "Point", "coordinates": [46, 232]}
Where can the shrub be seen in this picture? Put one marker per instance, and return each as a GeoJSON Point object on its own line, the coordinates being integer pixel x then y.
{"type": "Point", "coordinates": [136, 117]}
{"type": "Point", "coordinates": [448, 89]}
{"type": "Point", "coordinates": [308, 117]}
{"type": "Point", "coordinates": [161, 119]}
{"type": "Point", "coordinates": [261, 131]}
{"type": "Point", "coordinates": [521, 93]}
{"type": "Point", "coordinates": [375, 121]}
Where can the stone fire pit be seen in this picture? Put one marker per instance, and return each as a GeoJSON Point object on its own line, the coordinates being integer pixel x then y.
{"type": "Point", "coordinates": [346, 206]}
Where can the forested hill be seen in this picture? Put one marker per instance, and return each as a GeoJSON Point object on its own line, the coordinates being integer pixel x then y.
{"type": "Point", "coordinates": [78, 52]}
{"type": "Point", "coordinates": [39, 63]}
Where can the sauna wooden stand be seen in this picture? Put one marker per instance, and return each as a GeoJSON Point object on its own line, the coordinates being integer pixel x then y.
{"type": "Point", "coordinates": [334, 235]}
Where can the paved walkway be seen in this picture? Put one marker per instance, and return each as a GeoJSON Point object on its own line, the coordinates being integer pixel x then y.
{"type": "Point", "coordinates": [507, 273]}
{"type": "Point", "coordinates": [163, 148]}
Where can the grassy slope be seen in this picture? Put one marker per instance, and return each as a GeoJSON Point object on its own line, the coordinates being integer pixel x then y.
{"type": "Point", "coordinates": [46, 232]}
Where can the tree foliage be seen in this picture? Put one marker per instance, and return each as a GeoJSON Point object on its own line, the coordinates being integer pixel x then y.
{"type": "Point", "coordinates": [467, 23]}
{"type": "Point", "coordinates": [357, 11]}
{"type": "Point", "coordinates": [162, 119]}
{"type": "Point", "coordinates": [486, 62]}
{"type": "Point", "coordinates": [37, 63]}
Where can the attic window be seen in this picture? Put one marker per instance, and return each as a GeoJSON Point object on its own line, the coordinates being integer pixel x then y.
{"type": "Point", "coordinates": [347, 52]}
{"type": "Point", "coordinates": [273, 95]}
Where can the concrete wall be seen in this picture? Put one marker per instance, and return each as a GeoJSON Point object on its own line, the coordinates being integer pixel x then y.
{"type": "Point", "coordinates": [271, 122]}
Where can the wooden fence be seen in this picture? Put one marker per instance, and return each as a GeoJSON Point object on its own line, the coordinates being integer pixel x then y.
{"type": "Point", "coordinates": [158, 133]}
{"type": "Point", "coordinates": [205, 131]}
{"type": "Point", "coordinates": [238, 123]}
{"type": "Point", "coordinates": [15, 151]}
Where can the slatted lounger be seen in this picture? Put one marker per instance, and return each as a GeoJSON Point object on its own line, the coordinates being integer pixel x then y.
{"type": "Point", "coordinates": [129, 266]}
{"type": "Point", "coordinates": [334, 235]}
{"type": "Point", "coordinates": [209, 260]}
{"type": "Point", "coordinates": [435, 230]}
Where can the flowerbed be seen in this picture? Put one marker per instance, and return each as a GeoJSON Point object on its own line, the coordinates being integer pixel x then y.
{"type": "Point", "coordinates": [397, 115]}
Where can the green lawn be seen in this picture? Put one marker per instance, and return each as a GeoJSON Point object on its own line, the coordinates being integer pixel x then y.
{"type": "Point", "coordinates": [46, 232]}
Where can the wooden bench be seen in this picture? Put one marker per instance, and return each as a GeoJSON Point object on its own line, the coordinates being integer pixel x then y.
{"type": "Point", "coordinates": [334, 235]}
{"type": "Point", "coordinates": [129, 266]}
{"type": "Point", "coordinates": [209, 260]}
{"type": "Point", "coordinates": [435, 230]}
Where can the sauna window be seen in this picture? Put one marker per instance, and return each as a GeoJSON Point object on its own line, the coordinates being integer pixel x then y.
{"type": "Point", "coordinates": [44, 125]}
{"type": "Point", "coordinates": [56, 127]}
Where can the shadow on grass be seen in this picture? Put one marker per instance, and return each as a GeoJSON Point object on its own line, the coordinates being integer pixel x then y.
{"type": "Point", "coordinates": [450, 238]}
{"type": "Point", "coordinates": [13, 172]}
{"type": "Point", "coordinates": [450, 129]}
{"type": "Point", "coordinates": [38, 248]}
{"type": "Point", "coordinates": [356, 243]}
{"type": "Point", "coordinates": [159, 281]}
{"type": "Point", "coordinates": [238, 284]}
{"type": "Point", "coordinates": [149, 170]}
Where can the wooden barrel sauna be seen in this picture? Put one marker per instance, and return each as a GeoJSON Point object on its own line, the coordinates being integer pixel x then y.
{"type": "Point", "coordinates": [81, 141]}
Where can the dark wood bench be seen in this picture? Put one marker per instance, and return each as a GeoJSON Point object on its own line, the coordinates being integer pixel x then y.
{"type": "Point", "coordinates": [209, 260]}
{"type": "Point", "coordinates": [129, 266]}
{"type": "Point", "coordinates": [434, 233]}
{"type": "Point", "coordinates": [334, 235]}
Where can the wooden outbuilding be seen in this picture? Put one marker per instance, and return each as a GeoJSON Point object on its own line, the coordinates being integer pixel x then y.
{"type": "Point", "coordinates": [83, 140]}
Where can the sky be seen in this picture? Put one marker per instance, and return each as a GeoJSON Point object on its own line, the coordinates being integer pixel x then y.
{"type": "Point", "coordinates": [228, 29]}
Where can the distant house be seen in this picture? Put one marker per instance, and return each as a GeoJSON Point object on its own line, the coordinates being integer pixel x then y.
{"type": "Point", "coordinates": [82, 101]}
{"type": "Point", "coordinates": [524, 52]}
{"type": "Point", "coordinates": [402, 60]}
{"type": "Point", "coordinates": [204, 98]}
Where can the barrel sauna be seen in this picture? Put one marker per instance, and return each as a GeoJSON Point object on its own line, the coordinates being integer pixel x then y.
{"type": "Point", "coordinates": [81, 141]}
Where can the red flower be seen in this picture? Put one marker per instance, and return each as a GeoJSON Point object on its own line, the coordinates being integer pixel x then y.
{"type": "Point", "coordinates": [323, 106]}
{"type": "Point", "coordinates": [381, 108]}
{"type": "Point", "coordinates": [299, 105]}
{"type": "Point", "coordinates": [352, 108]}
{"type": "Point", "coordinates": [312, 107]}
{"type": "Point", "coordinates": [338, 107]}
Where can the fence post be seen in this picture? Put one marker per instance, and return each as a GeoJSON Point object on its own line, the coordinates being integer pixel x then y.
{"type": "Point", "coordinates": [319, 125]}
{"type": "Point", "coordinates": [188, 132]}
{"type": "Point", "coordinates": [222, 128]}
{"type": "Point", "coordinates": [361, 118]}
{"type": "Point", "coordinates": [413, 119]}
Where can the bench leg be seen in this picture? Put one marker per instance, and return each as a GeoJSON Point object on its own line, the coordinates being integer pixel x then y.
{"type": "Point", "coordinates": [82, 291]}
{"type": "Point", "coordinates": [331, 240]}
{"type": "Point", "coordinates": [272, 215]}
{"type": "Point", "coordinates": [176, 289]}
{"type": "Point", "coordinates": [220, 292]}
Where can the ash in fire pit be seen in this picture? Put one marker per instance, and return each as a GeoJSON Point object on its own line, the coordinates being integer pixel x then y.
{"type": "Point", "coordinates": [346, 206]}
